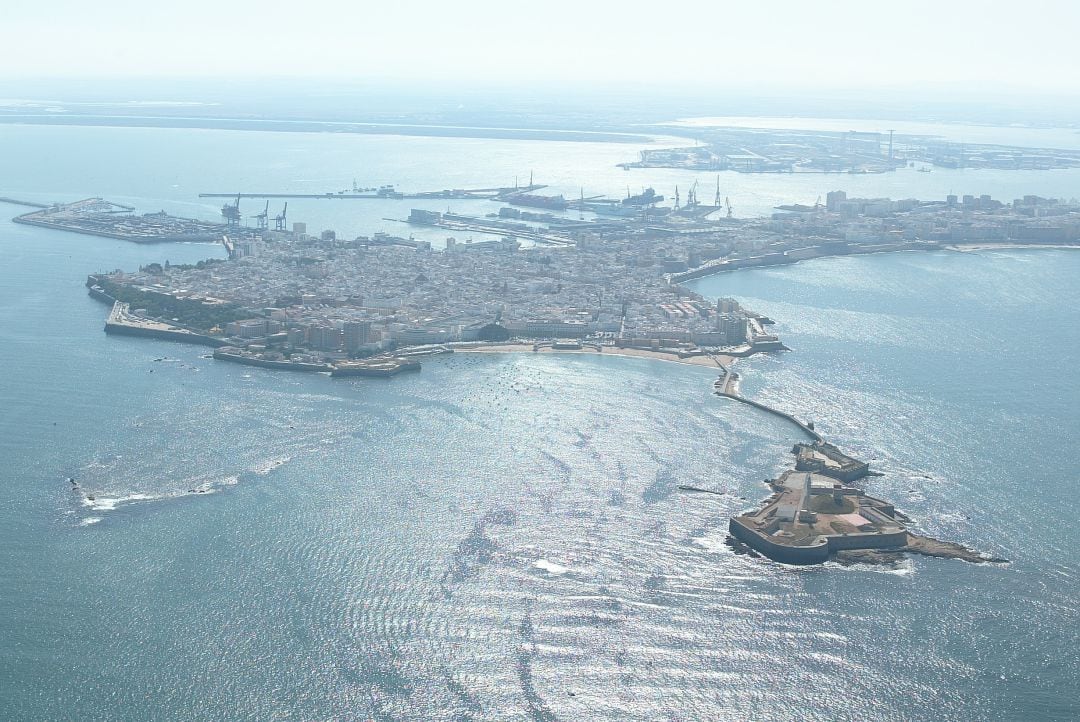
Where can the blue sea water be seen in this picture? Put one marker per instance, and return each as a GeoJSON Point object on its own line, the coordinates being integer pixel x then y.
{"type": "Point", "coordinates": [501, 537]}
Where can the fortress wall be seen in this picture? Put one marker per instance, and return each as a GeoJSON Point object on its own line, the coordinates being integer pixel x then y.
{"type": "Point", "coordinates": [815, 554]}
{"type": "Point", "coordinates": [183, 337]}
{"type": "Point", "coordinates": [867, 541]}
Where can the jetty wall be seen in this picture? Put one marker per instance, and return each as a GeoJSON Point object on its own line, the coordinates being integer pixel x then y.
{"type": "Point", "coordinates": [775, 412]}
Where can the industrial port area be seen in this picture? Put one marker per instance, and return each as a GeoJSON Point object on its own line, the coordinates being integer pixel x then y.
{"type": "Point", "coordinates": [98, 217]}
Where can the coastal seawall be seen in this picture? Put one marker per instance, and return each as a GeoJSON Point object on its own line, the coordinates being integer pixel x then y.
{"type": "Point", "coordinates": [820, 550]}
{"type": "Point", "coordinates": [123, 323]}
{"type": "Point", "coordinates": [160, 333]}
{"type": "Point", "coordinates": [98, 294]}
{"type": "Point", "coordinates": [223, 355]}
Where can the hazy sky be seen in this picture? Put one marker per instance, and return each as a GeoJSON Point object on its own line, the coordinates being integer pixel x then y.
{"type": "Point", "coordinates": [985, 45]}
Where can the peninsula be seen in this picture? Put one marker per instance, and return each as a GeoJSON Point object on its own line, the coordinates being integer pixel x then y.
{"type": "Point", "coordinates": [374, 306]}
{"type": "Point", "coordinates": [303, 301]}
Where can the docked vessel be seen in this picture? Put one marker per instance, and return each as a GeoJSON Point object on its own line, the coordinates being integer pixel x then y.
{"type": "Point", "coordinates": [533, 200]}
{"type": "Point", "coordinates": [647, 197]}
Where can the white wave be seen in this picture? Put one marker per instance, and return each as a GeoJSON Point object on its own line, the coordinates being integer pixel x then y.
{"type": "Point", "coordinates": [265, 467]}
{"type": "Point", "coordinates": [712, 542]}
{"type": "Point", "coordinates": [550, 567]}
{"type": "Point", "coordinates": [212, 486]}
{"type": "Point", "coordinates": [111, 503]}
{"type": "Point", "coordinates": [902, 568]}
{"type": "Point", "coordinates": [90, 520]}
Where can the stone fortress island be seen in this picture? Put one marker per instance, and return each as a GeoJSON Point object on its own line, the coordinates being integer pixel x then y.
{"type": "Point", "coordinates": [375, 306]}
{"type": "Point", "coordinates": [816, 513]}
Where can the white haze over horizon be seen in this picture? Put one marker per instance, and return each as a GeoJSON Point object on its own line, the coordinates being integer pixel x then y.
{"type": "Point", "coordinates": [985, 48]}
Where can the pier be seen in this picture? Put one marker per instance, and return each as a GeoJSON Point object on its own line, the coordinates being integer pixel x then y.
{"type": "Point", "coordinates": [28, 204]}
{"type": "Point", "coordinates": [722, 387]}
{"type": "Point", "coordinates": [469, 224]}
{"type": "Point", "coordinates": [98, 217]}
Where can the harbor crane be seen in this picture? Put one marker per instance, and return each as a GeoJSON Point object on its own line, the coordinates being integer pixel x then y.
{"type": "Point", "coordinates": [231, 212]}
{"type": "Point", "coordinates": [279, 219]}
{"type": "Point", "coordinates": [727, 202]}
{"type": "Point", "coordinates": [717, 201]}
{"type": "Point", "coordinates": [260, 218]}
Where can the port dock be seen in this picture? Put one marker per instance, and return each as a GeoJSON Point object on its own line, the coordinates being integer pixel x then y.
{"type": "Point", "coordinates": [98, 217]}
{"type": "Point", "coordinates": [28, 204]}
{"type": "Point", "coordinates": [388, 193]}
{"type": "Point", "coordinates": [472, 224]}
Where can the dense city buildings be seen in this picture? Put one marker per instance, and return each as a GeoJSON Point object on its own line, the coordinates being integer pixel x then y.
{"type": "Point", "coordinates": [615, 283]}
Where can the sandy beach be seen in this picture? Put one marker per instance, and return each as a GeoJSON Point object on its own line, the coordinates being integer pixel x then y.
{"type": "Point", "coordinates": [715, 361]}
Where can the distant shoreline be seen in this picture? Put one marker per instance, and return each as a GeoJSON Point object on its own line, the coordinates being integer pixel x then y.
{"type": "Point", "coordinates": [325, 126]}
{"type": "Point", "coordinates": [723, 268]}
{"type": "Point", "coordinates": [969, 247]}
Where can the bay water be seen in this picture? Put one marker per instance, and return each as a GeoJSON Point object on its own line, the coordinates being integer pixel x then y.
{"type": "Point", "coordinates": [502, 536]}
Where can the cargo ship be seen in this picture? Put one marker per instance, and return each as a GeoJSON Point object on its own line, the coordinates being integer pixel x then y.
{"type": "Point", "coordinates": [614, 208]}
{"type": "Point", "coordinates": [532, 200]}
{"type": "Point", "coordinates": [647, 197]}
